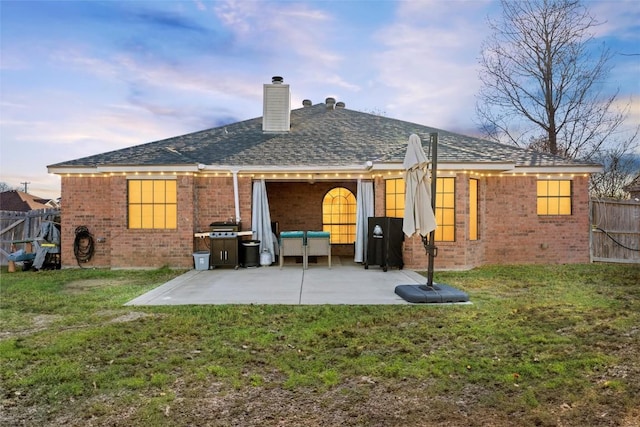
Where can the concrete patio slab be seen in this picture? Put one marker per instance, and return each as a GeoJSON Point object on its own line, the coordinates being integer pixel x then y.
{"type": "Point", "coordinates": [345, 283]}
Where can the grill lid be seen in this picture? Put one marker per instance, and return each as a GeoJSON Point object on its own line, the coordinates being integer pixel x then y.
{"type": "Point", "coordinates": [224, 226]}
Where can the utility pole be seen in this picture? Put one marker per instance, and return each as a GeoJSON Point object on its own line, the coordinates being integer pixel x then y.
{"type": "Point", "coordinates": [25, 186]}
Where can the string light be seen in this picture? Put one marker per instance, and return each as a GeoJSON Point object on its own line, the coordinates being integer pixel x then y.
{"type": "Point", "coordinates": [336, 175]}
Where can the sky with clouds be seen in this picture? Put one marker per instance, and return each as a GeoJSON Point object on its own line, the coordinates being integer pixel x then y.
{"type": "Point", "coordinates": [79, 78]}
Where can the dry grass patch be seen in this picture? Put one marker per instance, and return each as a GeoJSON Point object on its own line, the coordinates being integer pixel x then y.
{"type": "Point", "coordinates": [87, 285]}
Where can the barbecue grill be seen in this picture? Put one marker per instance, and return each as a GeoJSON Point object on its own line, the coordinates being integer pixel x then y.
{"type": "Point", "coordinates": [224, 244]}
{"type": "Point", "coordinates": [224, 230]}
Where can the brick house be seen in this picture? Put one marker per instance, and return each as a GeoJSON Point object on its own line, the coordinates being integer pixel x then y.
{"type": "Point", "coordinates": [496, 204]}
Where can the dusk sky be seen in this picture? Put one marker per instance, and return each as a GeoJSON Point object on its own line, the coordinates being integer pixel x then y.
{"type": "Point", "coordinates": [82, 78]}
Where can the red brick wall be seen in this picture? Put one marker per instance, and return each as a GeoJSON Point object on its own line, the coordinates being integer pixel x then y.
{"type": "Point", "coordinates": [101, 205]}
{"type": "Point", "coordinates": [245, 196]}
{"type": "Point", "coordinates": [214, 201]}
{"type": "Point", "coordinates": [510, 229]}
{"type": "Point", "coordinates": [514, 233]}
{"type": "Point", "coordinates": [379, 189]}
{"type": "Point", "coordinates": [87, 202]}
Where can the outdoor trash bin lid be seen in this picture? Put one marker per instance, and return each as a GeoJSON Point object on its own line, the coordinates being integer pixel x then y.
{"type": "Point", "coordinates": [251, 243]}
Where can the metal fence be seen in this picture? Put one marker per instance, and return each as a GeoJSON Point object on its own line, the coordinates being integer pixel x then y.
{"type": "Point", "coordinates": [22, 226]}
{"type": "Point", "coordinates": [615, 232]}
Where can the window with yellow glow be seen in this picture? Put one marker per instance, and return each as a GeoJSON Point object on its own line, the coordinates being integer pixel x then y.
{"type": "Point", "coordinates": [473, 209]}
{"type": "Point", "coordinates": [446, 209]}
{"type": "Point", "coordinates": [445, 205]}
{"type": "Point", "coordinates": [554, 197]}
{"type": "Point", "coordinates": [152, 203]}
{"type": "Point", "coordinates": [394, 196]}
{"type": "Point", "coordinates": [339, 215]}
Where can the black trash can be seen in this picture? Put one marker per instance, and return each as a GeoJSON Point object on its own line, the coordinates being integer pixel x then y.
{"type": "Point", "coordinates": [251, 252]}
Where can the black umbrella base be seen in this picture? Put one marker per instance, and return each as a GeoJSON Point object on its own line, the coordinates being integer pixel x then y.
{"type": "Point", "coordinates": [438, 293]}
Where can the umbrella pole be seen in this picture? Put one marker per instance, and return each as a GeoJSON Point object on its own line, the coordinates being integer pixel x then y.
{"type": "Point", "coordinates": [428, 243]}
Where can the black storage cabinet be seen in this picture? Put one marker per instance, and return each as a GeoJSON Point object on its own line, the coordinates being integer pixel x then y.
{"type": "Point", "coordinates": [385, 250]}
{"type": "Point", "coordinates": [224, 252]}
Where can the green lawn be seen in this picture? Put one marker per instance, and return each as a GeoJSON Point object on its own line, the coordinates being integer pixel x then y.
{"type": "Point", "coordinates": [540, 345]}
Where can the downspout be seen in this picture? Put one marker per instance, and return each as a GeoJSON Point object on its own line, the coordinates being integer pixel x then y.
{"type": "Point", "coordinates": [236, 196]}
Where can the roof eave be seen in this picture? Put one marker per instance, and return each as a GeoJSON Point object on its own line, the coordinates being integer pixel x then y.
{"type": "Point", "coordinates": [500, 167]}
{"type": "Point", "coordinates": [558, 169]}
{"type": "Point", "coordinates": [453, 166]}
{"type": "Point", "coordinates": [63, 170]}
{"type": "Point", "coordinates": [355, 168]}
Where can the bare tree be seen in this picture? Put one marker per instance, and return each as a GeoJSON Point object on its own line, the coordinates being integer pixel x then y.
{"type": "Point", "coordinates": [542, 79]}
{"type": "Point", "coordinates": [620, 168]}
{"type": "Point", "coordinates": [6, 187]}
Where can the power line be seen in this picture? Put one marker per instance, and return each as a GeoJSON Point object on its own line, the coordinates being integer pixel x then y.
{"type": "Point", "coordinates": [25, 186]}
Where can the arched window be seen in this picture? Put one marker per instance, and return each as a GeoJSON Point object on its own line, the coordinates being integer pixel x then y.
{"type": "Point", "coordinates": [339, 215]}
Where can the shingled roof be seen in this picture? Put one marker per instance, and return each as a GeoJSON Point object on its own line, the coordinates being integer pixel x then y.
{"type": "Point", "coordinates": [19, 201]}
{"type": "Point", "coordinates": [318, 137]}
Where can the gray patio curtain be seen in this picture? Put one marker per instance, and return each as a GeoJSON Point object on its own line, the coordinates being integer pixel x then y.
{"type": "Point", "coordinates": [364, 209]}
{"type": "Point", "coordinates": [261, 219]}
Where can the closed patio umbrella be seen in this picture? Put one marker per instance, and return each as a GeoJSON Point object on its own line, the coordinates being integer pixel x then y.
{"type": "Point", "coordinates": [418, 213]}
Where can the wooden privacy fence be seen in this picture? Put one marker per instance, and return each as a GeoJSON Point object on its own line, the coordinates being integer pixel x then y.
{"type": "Point", "coordinates": [21, 226]}
{"type": "Point", "coordinates": [615, 231]}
